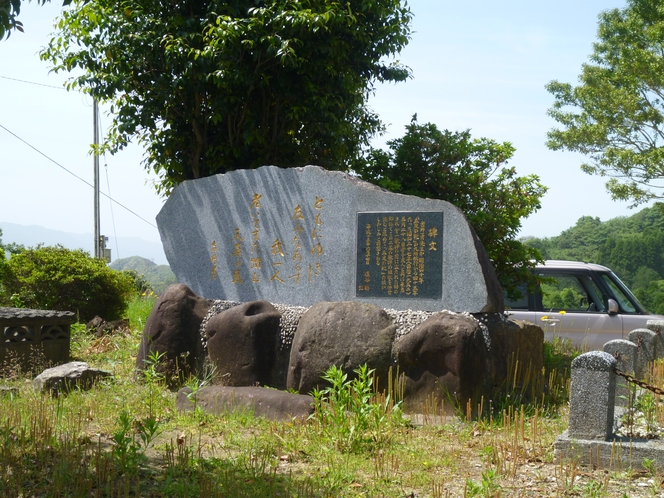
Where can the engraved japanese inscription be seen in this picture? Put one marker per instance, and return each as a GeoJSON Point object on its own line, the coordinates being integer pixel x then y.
{"type": "Point", "coordinates": [287, 262]}
{"type": "Point", "coordinates": [399, 254]}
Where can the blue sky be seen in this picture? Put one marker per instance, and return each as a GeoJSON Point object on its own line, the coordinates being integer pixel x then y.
{"type": "Point", "coordinates": [476, 65]}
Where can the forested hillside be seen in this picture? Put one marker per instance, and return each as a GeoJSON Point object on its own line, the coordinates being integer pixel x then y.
{"type": "Point", "coordinates": [159, 276]}
{"type": "Point", "coordinates": [633, 247]}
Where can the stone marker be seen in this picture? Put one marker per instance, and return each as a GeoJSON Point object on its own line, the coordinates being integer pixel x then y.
{"type": "Point", "coordinates": [300, 236]}
{"type": "Point", "coordinates": [625, 353]}
{"type": "Point", "coordinates": [592, 396]}
{"type": "Point", "coordinates": [657, 326]}
{"type": "Point", "coordinates": [646, 349]}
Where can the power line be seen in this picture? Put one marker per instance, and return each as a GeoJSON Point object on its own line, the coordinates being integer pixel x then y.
{"type": "Point", "coordinates": [75, 175]}
{"type": "Point", "coordinates": [33, 83]}
{"type": "Point", "coordinates": [110, 204]}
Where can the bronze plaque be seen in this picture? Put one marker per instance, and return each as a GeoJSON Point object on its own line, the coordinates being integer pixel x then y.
{"type": "Point", "coordinates": [399, 254]}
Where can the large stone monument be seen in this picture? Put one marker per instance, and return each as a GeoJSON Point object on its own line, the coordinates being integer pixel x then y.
{"type": "Point", "coordinates": [300, 236]}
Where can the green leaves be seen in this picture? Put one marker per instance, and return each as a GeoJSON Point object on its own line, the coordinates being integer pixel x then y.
{"type": "Point", "coordinates": [9, 10]}
{"type": "Point", "coordinates": [471, 174]}
{"type": "Point", "coordinates": [616, 115]}
{"type": "Point", "coordinates": [350, 414]}
{"type": "Point", "coordinates": [211, 86]}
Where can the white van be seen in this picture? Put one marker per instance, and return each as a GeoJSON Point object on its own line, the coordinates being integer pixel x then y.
{"type": "Point", "coordinates": [585, 302]}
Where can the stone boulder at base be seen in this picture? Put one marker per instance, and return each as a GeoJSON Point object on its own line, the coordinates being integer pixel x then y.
{"type": "Point", "coordinates": [346, 335]}
{"type": "Point", "coordinates": [444, 359]}
{"type": "Point", "coordinates": [64, 378]}
{"type": "Point", "coordinates": [515, 348]}
{"type": "Point", "coordinates": [270, 403]}
{"type": "Point", "coordinates": [172, 329]}
{"type": "Point", "coordinates": [242, 344]}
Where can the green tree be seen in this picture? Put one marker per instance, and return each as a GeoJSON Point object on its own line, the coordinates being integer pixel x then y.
{"type": "Point", "coordinates": [9, 11]}
{"type": "Point", "coordinates": [471, 174]}
{"type": "Point", "coordinates": [652, 296]}
{"type": "Point", "coordinates": [12, 247]}
{"type": "Point", "coordinates": [212, 86]}
{"type": "Point", "coordinates": [616, 114]}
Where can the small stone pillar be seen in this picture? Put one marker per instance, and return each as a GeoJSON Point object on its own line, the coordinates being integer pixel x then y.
{"type": "Point", "coordinates": [592, 396]}
{"type": "Point", "coordinates": [625, 354]}
{"type": "Point", "coordinates": [646, 349]}
{"type": "Point", "coordinates": [657, 326]}
{"type": "Point", "coordinates": [33, 339]}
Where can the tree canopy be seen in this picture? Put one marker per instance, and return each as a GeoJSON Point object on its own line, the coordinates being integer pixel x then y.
{"type": "Point", "coordinates": [211, 86]}
{"type": "Point", "coordinates": [9, 11]}
{"type": "Point", "coordinates": [473, 175]}
{"type": "Point", "coordinates": [616, 114]}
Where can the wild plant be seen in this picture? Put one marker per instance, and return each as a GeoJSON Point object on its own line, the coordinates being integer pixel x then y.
{"type": "Point", "coordinates": [153, 377]}
{"type": "Point", "coordinates": [487, 488]}
{"type": "Point", "coordinates": [132, 438]}
{"type": "Point", "coordinates": [196, 383]}
{"type": "Point", "coordinates": [350, 413]}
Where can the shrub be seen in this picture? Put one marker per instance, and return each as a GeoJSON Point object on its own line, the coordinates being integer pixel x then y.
{"type": "Point", "coordinates": [140, 283]}
{"type": "Point", "coordinates": [61, 279]}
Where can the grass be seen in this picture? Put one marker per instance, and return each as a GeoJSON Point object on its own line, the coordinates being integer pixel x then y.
{"type": "Point", "coordinates": [125, 438]}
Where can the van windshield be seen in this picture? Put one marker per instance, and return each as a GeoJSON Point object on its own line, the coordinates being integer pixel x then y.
{"type": "Point", "coordinates": [627, 301]}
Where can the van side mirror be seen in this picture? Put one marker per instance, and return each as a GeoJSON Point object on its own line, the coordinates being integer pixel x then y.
{"type": "Point", "coordinates": [613, 307]}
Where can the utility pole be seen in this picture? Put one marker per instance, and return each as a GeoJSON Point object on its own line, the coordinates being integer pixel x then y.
{"type": "Point", "coordinates": [95, 116]}
{"type": "Point", "coordinates": [100, 241]}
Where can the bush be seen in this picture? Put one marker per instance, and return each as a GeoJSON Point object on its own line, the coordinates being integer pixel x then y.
{"type": "Point", "coordinates": [57, 278]}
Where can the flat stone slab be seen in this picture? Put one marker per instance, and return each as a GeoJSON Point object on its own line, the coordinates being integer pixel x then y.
{"type": "Point", "coordinates": [620, 453]}
{"type": "Point", "coordinates": [8, 391]}
{"type": "Point", "coordinates": [300, 236]}
{"type": "Point", "coordinates": [72, 375]}
{"type": "Point", "coordinates": [263, 402]}
{"type": "Point", "coordinates": [11, 316]}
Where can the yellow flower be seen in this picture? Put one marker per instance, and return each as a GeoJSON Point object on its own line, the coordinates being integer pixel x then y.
{"type": "Point", "coordinates": [562, 312]}
{"type": "Point", "coordinates": [544, 318]}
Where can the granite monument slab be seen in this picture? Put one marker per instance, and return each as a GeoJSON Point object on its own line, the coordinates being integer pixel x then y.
{"type": "Point", "coordinates": [300, 236]}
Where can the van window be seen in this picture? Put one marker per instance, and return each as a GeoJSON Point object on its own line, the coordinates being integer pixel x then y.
{"type": "Point", "coordinates": [521, 303]}
{"type": "Point", "coordinates": [574, 293]}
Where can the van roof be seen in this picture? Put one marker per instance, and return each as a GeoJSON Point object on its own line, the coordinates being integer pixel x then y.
{"type": "Point", "coordinates": [553, 264]}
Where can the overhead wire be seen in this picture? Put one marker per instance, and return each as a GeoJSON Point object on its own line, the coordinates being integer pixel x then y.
{"type": "Point", "coordinates": [75, 175]}
{"type": "Point", "coordinates": [108, 186]}
{"type": "Point", "coordinates": [33, 83]}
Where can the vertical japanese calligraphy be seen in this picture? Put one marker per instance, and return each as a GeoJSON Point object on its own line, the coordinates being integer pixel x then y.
{"type": "Point", "coordinates": [281, 258]}
{"type": "Point", "coordinates": [399, 254]}
{"type": "Point", "coordinates": [237, 256]}
{"type": "Point", "coordinates": [316, 237]}
{"type": "Point", "coordinates": [213, 259]}
{"type": "Point", "coordinates": [256, 260]}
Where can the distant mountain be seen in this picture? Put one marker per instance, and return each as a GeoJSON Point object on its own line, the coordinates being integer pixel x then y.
{"type": "Point", "coordinates": [159, 276]}
{"type": "Point", "coordinates": [32, 235]}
